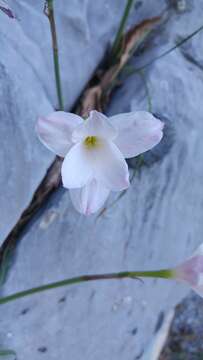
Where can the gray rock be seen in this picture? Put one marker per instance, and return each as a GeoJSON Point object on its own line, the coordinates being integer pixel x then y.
{"type": "Point", "coordinates": [27, 86]}
{"type": "Point", "coordinates": [24, 161]}
{"type": "Point", "coordinates": [185, 336]}
{"type": "Point", "coordinates": [157, 223]}
{"type": "Point", "coordinates": [114, 319]}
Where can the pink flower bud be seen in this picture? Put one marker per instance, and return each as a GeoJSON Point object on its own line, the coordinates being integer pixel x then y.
{"type": "Point", "coordinates": [191, 271]}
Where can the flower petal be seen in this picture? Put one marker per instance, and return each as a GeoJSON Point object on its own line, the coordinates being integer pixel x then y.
{"type": "Point", "coordinates": [138, 132]}
{"type": "Point", "coordinates": [96, 125]}
{"type": "Point", "coordinates": [109, 166]}
{"type": "Point", "coordinates": [191, 271]}
{"type": "Point", "coordinates": [76, 168]}
{"type": "Point", "coordinates": [55, 131]}
{"type": "Point", "coordinates": [90, 198]}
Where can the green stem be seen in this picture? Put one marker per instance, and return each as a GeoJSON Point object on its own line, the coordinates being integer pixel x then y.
{"type": "Point", "coordinates": [50, 15]}
{"type": "Point", "coordinates": [119, 35]}
{"type": "Point", "coordinates": [170, 50]}
{"type": "Point", "coordinates": [165, 273]}
{"type": "Point", "coordinates": [7, 352]}
{"type": "Point", "coordinates": [149, 99]}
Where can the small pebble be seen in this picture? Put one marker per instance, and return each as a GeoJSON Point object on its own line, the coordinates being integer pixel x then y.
{"type": "Point", "coordinates": [9, 335]}
{"type": "Point", "coordinates": [181, 5]}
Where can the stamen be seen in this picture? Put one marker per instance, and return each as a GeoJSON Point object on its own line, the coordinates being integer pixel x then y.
{"type": "Point", "coordinates": [91, 141]}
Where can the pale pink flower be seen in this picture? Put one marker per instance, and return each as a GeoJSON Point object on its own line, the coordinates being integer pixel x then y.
{"type": "Point", "coordinates": [191, 271]}
{"type": "Point", "coordinates": [94, 151]}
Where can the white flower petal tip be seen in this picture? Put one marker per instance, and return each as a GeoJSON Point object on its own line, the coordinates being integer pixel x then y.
{"type": "Point", "coordinates": [76, 169]}
{"type": "Point", "coordinates": [137, 132]}
{"type": "Point", "coordinates": [90, 198]}
{"type": "Point", "coordinates": [110, 167]}
{"type": "Point", "coordinates": [191, 271]}
{"type": "Point", "coordinates": [55, 131]}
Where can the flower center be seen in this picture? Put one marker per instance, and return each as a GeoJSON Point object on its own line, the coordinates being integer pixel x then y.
{"type": "Point", "coordinates": [91, 142]}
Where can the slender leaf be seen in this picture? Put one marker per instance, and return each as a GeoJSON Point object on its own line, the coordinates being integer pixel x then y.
{"type": "Point", "coordinates": [7, 352]}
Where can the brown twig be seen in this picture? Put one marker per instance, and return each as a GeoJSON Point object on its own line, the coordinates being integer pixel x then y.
{"type": "Point", "coordinates": [100, 93]}
{"type": "Point", "coordinates": [50, 182]}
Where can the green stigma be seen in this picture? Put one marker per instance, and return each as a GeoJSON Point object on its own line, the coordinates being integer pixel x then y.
{"type": "Point", "coordinates": [91, 141]}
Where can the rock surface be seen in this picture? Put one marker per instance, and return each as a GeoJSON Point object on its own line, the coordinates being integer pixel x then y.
{"type": "Point", "coordinates": [156, 223]}
{"type": "Point", "coordinates": [27, 87]}
{"type": "Point", "coordinates": [185, 336]}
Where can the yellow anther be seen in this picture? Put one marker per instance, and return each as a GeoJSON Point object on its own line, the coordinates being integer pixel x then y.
{"type": "Point", "coordinates": [91, 141]}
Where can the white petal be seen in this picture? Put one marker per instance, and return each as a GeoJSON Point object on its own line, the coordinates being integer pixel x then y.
{"type": "Point", "coordinates": [138, 132]}
{"type": "Point", "coordinates": [55, 131]}
{"type": "Point", "coordinates": [109, 166]}
{"type": "Point", "coordinates": [191, 272]}
{"type": "Point", "coordinates": [90, 198]}
{"type": "Point", "coordinates": [96, 125]}
{"type": "Point", "coordinates": [76, 168]}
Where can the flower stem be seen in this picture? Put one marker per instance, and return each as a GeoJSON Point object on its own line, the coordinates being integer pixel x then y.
{"type": "Point", "coordinates": [119, 35]}
{"type": "Point", "coordinates": [7, 352]}
{"type": "Point", "coordinates": [165, 273]}
{"type": "Point", "coordinates": [149, 99]}
{"type": "Point", "coordinates": [49, 11]}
